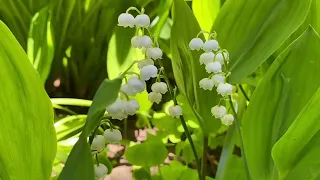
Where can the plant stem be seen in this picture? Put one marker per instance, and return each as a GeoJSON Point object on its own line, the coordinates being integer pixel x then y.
{"type": "Point", "coordinates": [183, 122]}
{"type": "Point", "coordinates": [241, 139]}
{"type": "Point", "coordinates": [244, 93]}
{"type": "Point", "coordinates": [204, 158]}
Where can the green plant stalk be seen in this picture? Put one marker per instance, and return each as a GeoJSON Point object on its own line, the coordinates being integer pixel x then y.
{"type": "Point", "coordinates": [183, 122]}
{"type": "Point", "coordinates": [204, 158]}
{"type": "Point", "coordinates": [244, 92]}
{"type": "Point", "coordinates": [241, 139]}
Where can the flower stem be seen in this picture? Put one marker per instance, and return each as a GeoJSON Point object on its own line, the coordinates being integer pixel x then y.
{"type": "Point", "coordinates": [244, 93]}
{"type": "Point", "coordinates": [204, 158]}
{"type": "Point", "coordinates": [183, 122]}
{"type": "Point", "coordinates": [241, 139]}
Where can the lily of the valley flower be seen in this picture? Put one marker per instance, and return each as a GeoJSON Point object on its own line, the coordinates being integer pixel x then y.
{"type": "Point", "coordinates": [213, 67]}
{"type": "Point", "coordinates": [126, 20]}
{"type": "Point", "coordinates": [98, 143]}
{"type": "Point", "coordinates": [175, 111]}
{"type": "Point", "coordinates": [100, 171]}
{"type": "Point", "coordinates": [206, 84]}
{"type": "Point", "coordinates": [155, 97]}
{"type": "Point", "coordinates": [196, 44]}
{"type": "Point", "coordinates": [154, 53]}
{"type": "Point", "coordinates": [142, 20]}
{"type": "Point", "coordinates": [227, 119]}
{"type": "Point", "coordinates": [206, 58]}
{"type": "Point", "coordinates": [112, 136]}
{"type": "Point", "coordinates": [149, 71]}
{"type": "Point", "coordinates": [224, 89]}
{"type": "Point", "coordinates": [218, 111]}
{"type": "Point", "coordinates": [210, 45]}
{"type": "Point", "coordinates": [159, 87]}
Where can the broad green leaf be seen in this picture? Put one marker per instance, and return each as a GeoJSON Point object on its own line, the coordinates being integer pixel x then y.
{"type": "Point", "coordinates": [79, 164]}
{"type": "Point", "coordinates": [206, 12]}
{"type": "Point", "coordinates": [151, 152]}
{"type": "Point", "coordinates": [187, 69]}
{"type": "Point", "coordinates": [295, 154]}
{"type": "Point", "coordinates": [253, 30]}
{"type": "Point", "coordinates": [277, 101]}
{"type": "Point", "coordinates": [27, 134]}
{"type": "Point", "coordinates": [40, 45]}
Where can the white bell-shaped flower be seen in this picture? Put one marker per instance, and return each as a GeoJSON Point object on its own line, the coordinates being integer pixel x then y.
{"type": "Point", "coordinates": [142, 20]}
{"type": "Point", "coordinates": [159, 87]}
{"type": "Point", "coordinates": [141, 41]}
{"type": "Point", "coordinates": [206, 57]}
{"type": "Point", "coordinates": [128, 90]}
{"type": "Point", "coordinates": [112, 136]}
{"type": "Point", "coordinates": [145, 62]}
{"type": "Point", "coordinates": [224, 89]}
{"type": "Point", "coordinates": [219, 58]}
{"type": "Point", "coordinates": [210, 45]}
{"type": "Point", "coordinates": [155, 97]}
{"type": "Point", "coordinates": [136, 84]}
{"type": "Point", "coordinates": [218, 111]}
{"type": "Point", "coordinates": [126, 20]}
{"type": "Point", "coordinates": [227, 119]}
{"type": "Point", "coordinates": [218, 79]}
{"type": "Point", "coordinates": [206, 84]}
{"type": "Point", "coordinates": [175, 111]}
{"type": "Point", "coordinates": [196, 44]}
{"type": "Point", "coordinates": [154, 53]}
{"type": "Point", "coordinates": [100, 171]}
{"type": "Point", "coordinates": [131, 107]}
{"type": "Point", "coordinates": [148, 71]}
{"type": "Point", "coordinates": [213, 67]}
{"type": "Point", "coordinates": [116, 110]}
{"type": "Point", "coordinates": [98, 143]}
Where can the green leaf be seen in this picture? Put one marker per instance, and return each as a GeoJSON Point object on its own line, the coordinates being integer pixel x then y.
{"type": "Point", "coordinates": [79, 164]}
{"type": "Point", "coordinates": [40, 43]}
{"type": "Point", "coordinates": [26, 120]}
{"type": "Point", "coordinates": [185, 61]}
{"type": "Point", "coordinates": [252, 31]}
{"type": "Point", "coordinates": [295, 154]}
{"type": "Point", "coordinates": [277, 101]}
{"type": "Point", "coordinates": [206, 12]}
{"type": "Point", "coordinates": [151, 152]}
{"type": "Point", "coordinates": [105, 95]}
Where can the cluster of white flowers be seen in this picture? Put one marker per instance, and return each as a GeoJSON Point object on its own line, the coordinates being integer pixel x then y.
{"type": "Point", "coordinates": [98, 145]}
{"type": "Point", "coordinates": [215, 61]}
{"type": "Point", "coordinates": [120, 109]}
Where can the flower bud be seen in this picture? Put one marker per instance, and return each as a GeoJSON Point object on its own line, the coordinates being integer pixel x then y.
{"type": "Point", "coordinates": [154, 53]}
{"type": "Point", "coordinates": [98, 143]}
{"type": "Point", "coordinates": [227, 119]}
{"type": "Point", "coordinates": [175, 111]}
{"type": "Point", "coordinates": [206, 58]}
{"type": "Point", "coordinates": [112, 136]}
{"type": "Point", "coordinates": [100, 171]}
{"type": "Point", "coordinates": [218, 79]}
{"type": "Point", "coordinates": [210, 45]}
{"type": "Point", "coordinates": [206, 84]}
{"type": "Point", "coordinates": [155, 97]}
{"type": "Point", "coordinates": [145, 62]}
{"type": "Point", "coordinates": [159, 87]}
{"type": "Point", "coordinates": [213, 67]}
{"type": "Point", "coordinates": [136, 84]}
{"type": "Point", "coordinates": [218, 111]}
{"type": "Point", "coordinates": [196, 44]}
{"type": "Point", "coordinates": [224, 89]}
{"type": "Point", "coordinates": [142, 20]}
{"type": "Point", "coordinates": [149, 71]}
{"type": "Point", "coordinates": [126, 20]}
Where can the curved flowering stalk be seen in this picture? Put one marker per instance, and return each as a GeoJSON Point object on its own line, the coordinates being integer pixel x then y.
{"type": "Point", "coordinates": [216, 60]}
{"type": "Point", "coordinates": [150, 48]}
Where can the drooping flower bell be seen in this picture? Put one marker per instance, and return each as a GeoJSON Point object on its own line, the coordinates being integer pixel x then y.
{"type": "Point", "coordinates": [149, 71]}
{"type": "Point", "coordinates": [196, 44]}
{"type": "Point", "coordinates": [98, 143]}
{"type": "Point", "coordinates": [154, 53]}
{"type": "Point", "coordinates": [206, 84]}
{"type": "Point", "coordinates": [227, 119]}
{"type": "Point", "coordinates": [141, 41]}
{"type": "Point", "coordinates": [218, 79]}
{"type": "Point", "coordinates": [213, 67]}
{"type": "Point", "coordinates": [126, 20]}
{"type": "Point", "coordinates": [224, 89]}
{"type": "Point", "coordinates": [175, 111]}
{"type": "Point", "coordinates": [145, 62]}
{"type": "Point", "coordinates": [218, 111]}
{"type": "Point", "coordinates": [112, 136]}
{"type": "Point", "coordinates": [206, 58]}
{"type": "Point", "coordinates": [210, 45]}
{"type": "Point", "coordinates": [100, 171]}
{"type": "Point", "coordinates": [131, 107]}
{"type": "Point", "coordinates": [159, 87]}
{"type": "Point", "coordinates": [155, 97]}
{"type": "Point", "coordinates": [136, 84]}
{"type": "Point", "coordinates": [142, 20]}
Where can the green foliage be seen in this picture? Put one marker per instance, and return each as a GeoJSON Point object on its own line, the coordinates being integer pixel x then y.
{"type": "Point", "coordinates": [251, 32]}
{"type": "Point", "coordinates": [184, 61]}
{"type": "Point", "coordinates": [206, 12]}
{"type": "Point", "coordinates": [278, 100]}
{"type": "Point", "coordinates": [26, 119]}
{"type": "Point", "coordinates": [151, 152]}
